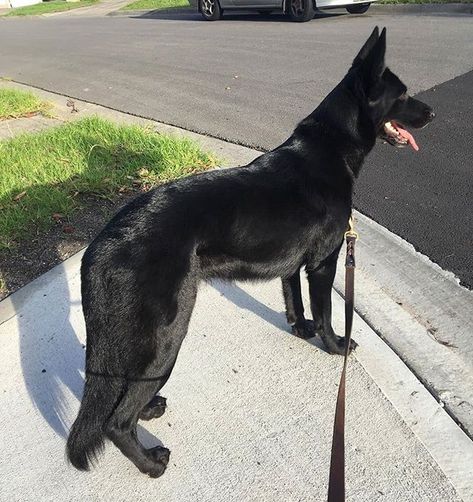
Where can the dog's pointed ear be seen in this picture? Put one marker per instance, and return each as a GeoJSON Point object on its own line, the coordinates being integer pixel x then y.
{"type": "Point", "coordinates": [373, 66]}
{"type": "Point", "coordinates": [366, 49]}
{"type": "Point", "coordinates": [376, 56]}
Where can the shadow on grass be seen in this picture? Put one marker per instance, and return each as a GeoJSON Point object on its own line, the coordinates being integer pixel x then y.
{"type": "Point", "coordinates": [93, 164]}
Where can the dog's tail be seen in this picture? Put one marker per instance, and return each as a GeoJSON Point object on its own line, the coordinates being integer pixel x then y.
{"type": "Point", "coordinates": [87, 434]}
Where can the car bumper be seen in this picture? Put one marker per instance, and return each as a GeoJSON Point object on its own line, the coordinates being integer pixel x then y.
{"type": "Point", "coordinates": [328, 4]}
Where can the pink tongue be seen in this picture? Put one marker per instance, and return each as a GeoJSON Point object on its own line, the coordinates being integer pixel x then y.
{"type": "Point", "coordinates": [407, 135]}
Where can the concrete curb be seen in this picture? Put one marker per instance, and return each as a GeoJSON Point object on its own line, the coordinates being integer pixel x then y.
{"type": "Point", "coordinates": [426, 417]}
{"type": "Point", "coordinates": [421, 312]}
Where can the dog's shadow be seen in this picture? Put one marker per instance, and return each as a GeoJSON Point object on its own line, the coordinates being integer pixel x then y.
{"type": "Point", "coordinates": [243, 300]}
{"type": "Point", "coordinates": [53, 357]}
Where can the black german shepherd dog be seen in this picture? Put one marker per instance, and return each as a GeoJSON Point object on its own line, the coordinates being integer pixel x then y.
{"type": "Point", "coordinates": [287, 209]}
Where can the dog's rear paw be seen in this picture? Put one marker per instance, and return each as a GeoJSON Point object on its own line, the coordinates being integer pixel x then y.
{"type": "Point", "coordinates": [154, 409]}
{"type": "Point", "coordinates": [160, 459]}
{"type": "Point", "coordinates": [304, 329]}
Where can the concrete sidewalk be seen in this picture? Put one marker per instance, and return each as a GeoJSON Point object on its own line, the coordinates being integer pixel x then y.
{"type": "Point", "coordinates": [250, 408]}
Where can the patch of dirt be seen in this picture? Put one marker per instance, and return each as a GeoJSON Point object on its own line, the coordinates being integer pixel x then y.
{"type": "Point", "coordinates": [69, 235]}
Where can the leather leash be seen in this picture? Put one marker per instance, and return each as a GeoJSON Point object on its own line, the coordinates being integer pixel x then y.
{"type": "Point", "coordinates": [336, 486]}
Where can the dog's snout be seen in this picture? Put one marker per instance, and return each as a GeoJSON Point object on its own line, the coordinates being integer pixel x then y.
{"type": "Point", "coordinates": [430, 114]}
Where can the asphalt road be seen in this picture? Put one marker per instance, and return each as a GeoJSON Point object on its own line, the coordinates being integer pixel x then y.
{"type": "Point", "coordinates": [250, 80]}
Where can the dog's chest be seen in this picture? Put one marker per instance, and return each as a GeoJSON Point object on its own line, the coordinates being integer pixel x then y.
{"type": "Point", "coordinates": [269, 260]}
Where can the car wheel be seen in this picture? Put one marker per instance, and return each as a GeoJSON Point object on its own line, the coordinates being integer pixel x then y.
{"type": "Point", "coordinates": [360, 8]}
{"type": "Point", "coordinates": [210, 10]}
{"type": "Point", "coordinates": [300, 10]}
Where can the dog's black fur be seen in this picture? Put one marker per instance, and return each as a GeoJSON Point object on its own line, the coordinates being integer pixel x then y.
{"type": "Point", "coordinates": [287, 209]}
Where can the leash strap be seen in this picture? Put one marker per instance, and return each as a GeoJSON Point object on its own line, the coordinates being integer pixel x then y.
{"type": "Point", "coordinates": [336, 485]}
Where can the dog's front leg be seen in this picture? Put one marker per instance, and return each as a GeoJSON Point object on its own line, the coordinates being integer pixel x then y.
{"type": "Point", "coordinates": [320, 287]}
{"type": "Point", "coordinates": [300, 326]}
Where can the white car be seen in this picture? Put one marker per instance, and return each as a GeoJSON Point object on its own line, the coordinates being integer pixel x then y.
{"type": "Point", "coordinates": [297, 10]}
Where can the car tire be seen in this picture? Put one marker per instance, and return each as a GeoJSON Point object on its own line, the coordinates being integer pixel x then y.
{"type": "Point", "coordinates": [360, 8]}
{"type": "Point", "coordinates": [300, 11]}
{"type": "Point", "coordinates": [211, 10]}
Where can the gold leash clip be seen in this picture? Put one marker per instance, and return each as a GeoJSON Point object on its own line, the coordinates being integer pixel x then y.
{"type": "Point", "coordinates": [351, 228]}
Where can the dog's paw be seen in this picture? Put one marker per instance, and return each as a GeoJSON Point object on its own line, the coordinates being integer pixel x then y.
{"type": "Point", "coordinates": [160, 459]}
{"type": "Point", "coordinates": [339, 346]}
{"type": "Point", "coordinates": [304, 329]}
{"type": "Point", "coordinates": [154, 409]}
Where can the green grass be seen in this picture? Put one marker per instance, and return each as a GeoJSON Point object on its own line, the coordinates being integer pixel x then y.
{"type": "Point", "coordinates": [422, 1]}
{"type": "Point", "coordinates": [48, 7]}
{"type": "Point", "coordinates": [156, 5]}
{"type": "Point", "coordinates": [15, 104]}
{"type": "Point", "coordinates": [42, 174]}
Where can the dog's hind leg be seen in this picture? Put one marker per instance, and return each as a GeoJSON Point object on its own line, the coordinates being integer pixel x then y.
{"type": "Point", "coordinates": [141, 390]}
{"type": "Point", "coordinates": [154, 409]}
{"type": "Point", "coordinates": [135, 404]}
{"type": "Point", "coordinates": [300, 326]}
{"type": "Point", "coordinates": [121, 429]}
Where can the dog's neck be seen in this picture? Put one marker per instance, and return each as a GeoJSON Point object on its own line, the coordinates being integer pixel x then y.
{"type": "Point", "coordinates": [341, 120]}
